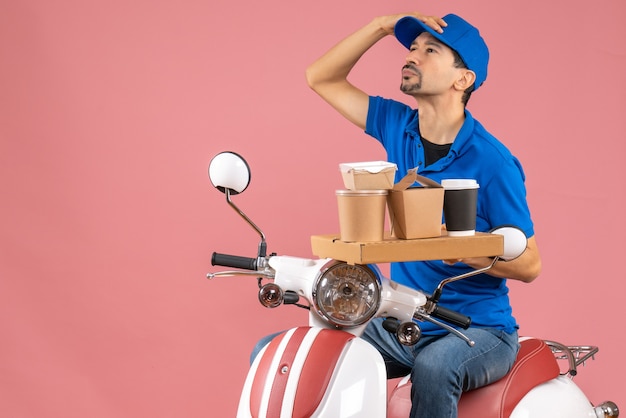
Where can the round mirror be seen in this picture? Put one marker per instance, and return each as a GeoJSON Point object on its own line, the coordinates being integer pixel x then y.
{"type": "Point", "coordinates": [514, 241]}
{"type": "Point", "coordinates": [229, 170]}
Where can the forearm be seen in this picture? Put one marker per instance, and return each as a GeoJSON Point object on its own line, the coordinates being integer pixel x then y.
{"type": "Point", "coordinates": [524, 268]}
{"type": "Point", "coordinates": [328, 75]}
{"type": "Point", "coordinates": [336, 64]}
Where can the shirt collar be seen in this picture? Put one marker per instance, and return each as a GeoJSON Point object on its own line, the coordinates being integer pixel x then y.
{"type": "Point", "coordinates": [412, 128]}
{"type": "Point", "coordinates": [459, 144]}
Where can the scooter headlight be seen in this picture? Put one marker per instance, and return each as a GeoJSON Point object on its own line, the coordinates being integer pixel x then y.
{"type": "Point", "coordinates": [346, 295]}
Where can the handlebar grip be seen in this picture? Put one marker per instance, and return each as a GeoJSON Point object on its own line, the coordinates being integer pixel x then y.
{"type": "Point", "coordinates": [452, 317]}
{"type": "Point", "coordinates": [234, 261]}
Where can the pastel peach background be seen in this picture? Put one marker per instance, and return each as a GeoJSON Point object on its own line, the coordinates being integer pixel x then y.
{"type": "Point", "coordinates": [110, 111]}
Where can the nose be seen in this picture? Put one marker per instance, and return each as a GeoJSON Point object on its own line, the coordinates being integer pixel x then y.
{"type": "Point", "coordinates": [412, 57]}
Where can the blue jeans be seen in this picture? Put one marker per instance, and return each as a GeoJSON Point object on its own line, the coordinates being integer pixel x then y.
{"type": "Point", "coordinates": [441, 366]}
{"type": "Point", "coordinates": [444, 366]}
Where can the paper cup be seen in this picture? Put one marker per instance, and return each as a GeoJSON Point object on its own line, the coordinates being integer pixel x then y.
{"type": "Point", "coordinates": [459, 206]}
{"type": "Point", "coordinates": [361, 214]}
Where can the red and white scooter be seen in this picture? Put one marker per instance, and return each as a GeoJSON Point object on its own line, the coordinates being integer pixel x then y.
{"type": "Point", "coordinates": [325, 369]}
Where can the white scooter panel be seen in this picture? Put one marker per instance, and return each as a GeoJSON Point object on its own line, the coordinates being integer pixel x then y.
{"type": "Point", "coordinates": [313, 372]}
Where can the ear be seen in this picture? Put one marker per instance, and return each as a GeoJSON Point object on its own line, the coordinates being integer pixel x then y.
{"type": "Point", "coordinates": [465, 80]}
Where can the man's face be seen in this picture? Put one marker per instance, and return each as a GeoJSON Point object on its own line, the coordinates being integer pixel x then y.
{"type": "Point", "coordinates": [429, 68]}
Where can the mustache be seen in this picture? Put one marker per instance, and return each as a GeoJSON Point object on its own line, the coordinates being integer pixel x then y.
{"type": "Point", "coordinates": [412, 68]}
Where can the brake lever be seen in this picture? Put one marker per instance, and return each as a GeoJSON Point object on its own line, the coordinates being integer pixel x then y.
{"type": "Point", "coordinates": [230, 273]}
{"type": "Point", "coordinates": [423, 316]}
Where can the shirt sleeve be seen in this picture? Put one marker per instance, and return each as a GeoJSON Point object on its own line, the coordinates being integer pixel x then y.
{"type": "Point", "coordinates": [385, 119]}
{"type": "Point", "coordinates": [504, 198]}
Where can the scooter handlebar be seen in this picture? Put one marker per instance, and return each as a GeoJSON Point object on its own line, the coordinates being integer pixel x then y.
{"type": "Point", "coordinates": [451, 317]}
{"type": "Point", "coordinates": [235, 261]}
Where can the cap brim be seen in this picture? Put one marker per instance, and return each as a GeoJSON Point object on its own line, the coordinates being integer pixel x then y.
{"type": "Point", "coordinates": [408, 28]}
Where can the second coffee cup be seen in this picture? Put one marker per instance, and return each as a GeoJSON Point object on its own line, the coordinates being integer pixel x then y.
{"type": "Point", "coordinates": [459, 206]}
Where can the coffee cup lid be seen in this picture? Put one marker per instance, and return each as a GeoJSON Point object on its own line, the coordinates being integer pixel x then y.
{"type": "Point", "coordinates": [459, 184]}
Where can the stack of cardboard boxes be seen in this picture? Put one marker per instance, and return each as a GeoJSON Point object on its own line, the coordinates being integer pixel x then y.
{"type": "Point", "coordinates": [415, 215]}
{"type": "Point", "coordinates": [414, 212]}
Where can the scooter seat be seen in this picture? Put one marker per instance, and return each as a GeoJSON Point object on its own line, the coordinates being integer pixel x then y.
{"type": "Point", "coordinates": [535, 364]}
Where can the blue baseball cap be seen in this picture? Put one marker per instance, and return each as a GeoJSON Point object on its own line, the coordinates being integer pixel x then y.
{"type": "Point", "coordinates": [458, 35]}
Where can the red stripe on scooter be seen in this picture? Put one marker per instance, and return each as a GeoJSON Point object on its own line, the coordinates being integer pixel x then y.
{"type": "Point", "coordinates": [258, 384]}
{"type": "Point", "coordinates": [282, 373]}
{"type": "Point", "coordinates": [317, 370]}
{"type": "Point", "coordinates": [280, 380]}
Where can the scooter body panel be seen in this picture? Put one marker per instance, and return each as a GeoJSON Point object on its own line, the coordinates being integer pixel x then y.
{"type": "Point", "coordinates": [557, 398]}
{"type": "Point", "coordinates": [355, 389]}
{"type": "Point", "coordinates": [313, 372]}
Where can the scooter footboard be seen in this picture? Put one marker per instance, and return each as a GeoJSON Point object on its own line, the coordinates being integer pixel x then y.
{"type": "Point", "coordinates": [315, 372]}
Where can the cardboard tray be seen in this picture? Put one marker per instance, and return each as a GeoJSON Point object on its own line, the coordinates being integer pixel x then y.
{"type": "Point", "coordinates": [392, 249]}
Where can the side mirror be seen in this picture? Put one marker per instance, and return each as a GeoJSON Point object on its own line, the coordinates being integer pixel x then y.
{"type": "Point", "coordinates": [230, 174]}
{"type": "Point", "coordinates": [229, 170]}
{"type": "Point", "coordinates": [515, 241]}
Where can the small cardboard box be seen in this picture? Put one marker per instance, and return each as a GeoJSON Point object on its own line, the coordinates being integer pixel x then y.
{"type": "Point", "coordinates": [415, 212]}
{"type": "Point", "coordinates": [392, 249]}
{"type": "Point", "coordinates": [372, 175]}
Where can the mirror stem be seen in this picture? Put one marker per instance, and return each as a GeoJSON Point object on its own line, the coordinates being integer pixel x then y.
{"type": "Point", "coordinates": [262, 244]}
{"type": "Point", "coordinates": [437, 293]}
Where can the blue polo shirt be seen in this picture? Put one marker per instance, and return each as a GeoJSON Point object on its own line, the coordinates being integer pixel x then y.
{"type": "Point", "coordinates": [477, 154]}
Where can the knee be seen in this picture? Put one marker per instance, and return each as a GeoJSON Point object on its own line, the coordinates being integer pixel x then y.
{"type": "Point", "coordinates": [433, 373]}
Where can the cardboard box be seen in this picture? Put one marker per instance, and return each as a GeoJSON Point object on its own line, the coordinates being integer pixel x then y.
{"type": "Point", "coordinates": [372, 175]}
{"type": "Point", "coordinates": [415, 212]}
{"type": "Point", "coordinates": [392, 249]}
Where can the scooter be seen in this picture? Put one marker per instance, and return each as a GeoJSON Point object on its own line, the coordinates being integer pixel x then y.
{"type": "Point", "coordinates": [325, 369]}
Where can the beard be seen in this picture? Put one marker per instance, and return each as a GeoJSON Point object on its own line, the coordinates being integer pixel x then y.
{"type": "Point", "coordinates": [409, 87]}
